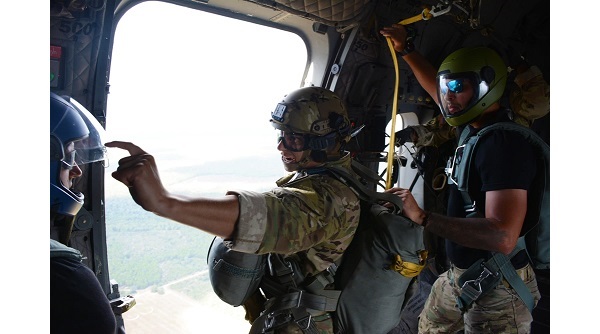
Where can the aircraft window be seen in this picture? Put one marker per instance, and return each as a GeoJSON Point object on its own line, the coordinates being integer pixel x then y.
{"type": "Point", "coordinates": [195, 90]}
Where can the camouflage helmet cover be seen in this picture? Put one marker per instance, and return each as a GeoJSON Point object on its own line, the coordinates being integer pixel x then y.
{"type": "Point", "coordinates": [314, 111]}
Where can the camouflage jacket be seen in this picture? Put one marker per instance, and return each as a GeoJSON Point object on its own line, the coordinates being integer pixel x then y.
{"type": "Point", "coordinates": [310, 216]}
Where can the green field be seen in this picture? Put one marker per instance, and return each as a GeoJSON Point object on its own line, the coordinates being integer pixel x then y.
{"type": "Point", "coordinates": [146, 251]}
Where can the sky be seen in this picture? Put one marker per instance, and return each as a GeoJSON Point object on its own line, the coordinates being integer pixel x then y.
{"type": "Point", "coordinates": [215, 78]}
{"type": "Point", "coordinates": [192, 88]}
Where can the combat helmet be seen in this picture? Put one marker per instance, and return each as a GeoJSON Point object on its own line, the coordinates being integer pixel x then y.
{"type": "Point", "coordinates": [316, 117]}
{"type": "Point", "coordinates": [485, 70]}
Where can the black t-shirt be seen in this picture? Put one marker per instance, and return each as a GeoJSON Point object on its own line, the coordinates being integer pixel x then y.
{"type": "Point", "coordinates": [77, 302]}
{"type": "Point", "coordinates": [503, 160]}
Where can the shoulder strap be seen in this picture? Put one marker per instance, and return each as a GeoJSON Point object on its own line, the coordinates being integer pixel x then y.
{"type": "Point", "coordinates": [362, 191]}
{"type": "Point", "coordinates": [467, 144]}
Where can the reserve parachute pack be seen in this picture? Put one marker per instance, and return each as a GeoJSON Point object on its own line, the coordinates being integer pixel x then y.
{"type": "Point", "coordinates": [535, 234]}
{"type": "Point", "coordinates": [370, 284]}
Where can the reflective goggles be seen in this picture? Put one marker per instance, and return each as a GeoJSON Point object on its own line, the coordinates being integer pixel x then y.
{"type": "Point", "coordinates": [455, 85]}
{"type": "Point", "coordinates": [294, 142]}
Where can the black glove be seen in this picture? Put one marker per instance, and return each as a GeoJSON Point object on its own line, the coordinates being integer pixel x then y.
{"type": "Point", "coordinates": [403, 136]}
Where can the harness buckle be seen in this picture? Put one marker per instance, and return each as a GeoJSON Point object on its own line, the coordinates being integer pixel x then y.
{"type": "Point", "coordinates": [451, 169]}
{"type": "Point", "coordinates": [473, 287]}
{"type": "Point", "coordinates": [471, 208]}
{"type": "Point", "coordinates": [304, 322]}
{"type": "Point", "coordinates": [331, 270]}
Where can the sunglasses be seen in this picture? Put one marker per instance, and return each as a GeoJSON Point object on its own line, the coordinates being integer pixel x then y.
{"type": "Point", "coordinates": [292, 141]}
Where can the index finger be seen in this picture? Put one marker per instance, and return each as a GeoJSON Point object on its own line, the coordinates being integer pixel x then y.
{"type": "Point", "coordinates": [132, 148]}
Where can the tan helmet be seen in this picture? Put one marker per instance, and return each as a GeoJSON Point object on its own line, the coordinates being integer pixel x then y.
{"type": "Point", "coordinates": [316, 113]}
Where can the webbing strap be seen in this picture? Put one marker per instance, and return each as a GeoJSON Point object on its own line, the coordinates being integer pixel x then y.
{"type": "Point", "coordinates": [510, 274]}
{"type": "Point", "coordinates": [292, 307]}
{"type": "Point", "coordinates": [302, 299]}
{"type": "Point", "coordinates": [365, 193]}
{"type": "Point", "coordinates": [281, 270]}
{"type": "Point", "coordinates": [497, 264]}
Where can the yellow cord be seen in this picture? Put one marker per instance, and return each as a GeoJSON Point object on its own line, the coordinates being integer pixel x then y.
{"type": "Point", "coordinates": [391, 148]}
{"type": "Point", "coordinates": [392, 145]}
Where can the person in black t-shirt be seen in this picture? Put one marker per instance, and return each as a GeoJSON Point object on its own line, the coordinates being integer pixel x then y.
{"type": "Point", "coordinates": [78, 304]}
{"type": "Point", "coordinates": [468, 86]}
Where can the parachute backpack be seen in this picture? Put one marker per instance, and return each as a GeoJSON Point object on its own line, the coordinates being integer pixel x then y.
{"type": "Point", "coordinates": [535, 234]}
{"type": "Point", "coordinates": [386, 254]}
{"type": "Point", "coordinates": [384, 257]}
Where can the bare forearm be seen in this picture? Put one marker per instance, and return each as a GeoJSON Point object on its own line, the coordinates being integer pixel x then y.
{"type": "Point", "coordinates": [479, 233]}
{"type": "Point", "coordinates": [214, 216]}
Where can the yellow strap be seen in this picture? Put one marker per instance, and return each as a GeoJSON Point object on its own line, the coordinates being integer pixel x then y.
{"type": "Point", "coordinates": [425, 15]}
{"type": "Point", "coordinates": [409, 269]}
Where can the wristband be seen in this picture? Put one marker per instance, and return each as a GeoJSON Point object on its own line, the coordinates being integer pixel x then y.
{"type": "Point", "coordinates": [409, 47]}
{"type": "Point", "coordinates": [426, 219]}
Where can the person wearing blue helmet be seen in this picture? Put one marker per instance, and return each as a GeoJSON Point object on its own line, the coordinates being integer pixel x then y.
{"type": "Point", "coordinates": [78, 304]}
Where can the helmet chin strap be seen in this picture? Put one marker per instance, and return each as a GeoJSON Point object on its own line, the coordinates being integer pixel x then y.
{"type": "Point", "coordinates": [302, 164]}
{"type": "Point", "coordinates": [306, 159]}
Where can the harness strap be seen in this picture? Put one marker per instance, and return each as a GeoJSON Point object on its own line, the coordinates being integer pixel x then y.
{"type": "Point", "coordinates": [500, 260]}
{"type": "Point", "coordinates": [293, 297]}
{"type": "Point", "coordinates": [300, 299]}
{"type": "Point", "coordinates": [282, 270]}
{"type": "Point", "coordinates": [292, 307]}
{"type": "Point", "coordinates": [365, 193]}
{"type": "Point", "coordinates": [490, 273]}
{"type": "Point", "coordinates": [498, 263]}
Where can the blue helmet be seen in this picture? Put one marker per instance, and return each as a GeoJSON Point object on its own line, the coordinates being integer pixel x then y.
{"type": "Point", "coordinates": [76, 138]}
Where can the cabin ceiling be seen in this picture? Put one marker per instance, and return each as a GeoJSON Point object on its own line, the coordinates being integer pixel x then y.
{"type": "Point", "coordinates": [329, 12]}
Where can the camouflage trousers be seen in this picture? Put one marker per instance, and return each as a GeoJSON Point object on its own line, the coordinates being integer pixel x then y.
{"type": "Point", "coordinates": [499, 311]}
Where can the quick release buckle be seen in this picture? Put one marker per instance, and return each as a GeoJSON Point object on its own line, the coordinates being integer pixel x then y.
{"type": "Point", "coordinates": [471, 208]}
{"type": "Point", "coordinates": [473, 287]}
{"type": "Point", "coordinates": [451, 169]}
{"type": "Point", "coordinates": [332, 269]}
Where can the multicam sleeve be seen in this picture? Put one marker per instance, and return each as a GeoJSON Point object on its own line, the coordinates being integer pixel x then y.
{"type": "Point", "coordinates": [434, 133]}
{"type": "Point", "coordinates": [531, 96]}
{"type": "Point", "coordinates": [251, 226]}
{"type": "Point", "coordinates": [285, 220]}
